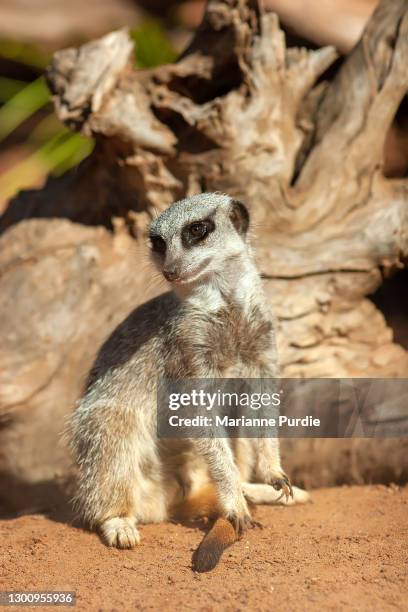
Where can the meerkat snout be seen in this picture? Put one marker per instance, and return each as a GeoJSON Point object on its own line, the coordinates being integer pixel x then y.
{"type": "Point", "coordinates": [193, 238]}
{"type": "Point", "coordinates": [170, 275]}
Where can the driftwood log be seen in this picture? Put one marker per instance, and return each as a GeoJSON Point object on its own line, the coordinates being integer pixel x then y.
{"type": "Point", "coordinates": [296, 134]}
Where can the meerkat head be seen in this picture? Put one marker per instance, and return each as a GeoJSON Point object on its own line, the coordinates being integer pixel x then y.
{"type": "Point", "coordinates": [195, 238]}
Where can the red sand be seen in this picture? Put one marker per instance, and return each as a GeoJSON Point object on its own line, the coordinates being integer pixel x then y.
{"type": "Point", "coordinates": [347, 550]}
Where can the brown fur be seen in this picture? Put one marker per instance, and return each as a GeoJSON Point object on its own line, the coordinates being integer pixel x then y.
{"type": "Point", "coordinates": [208, 554]}
{"type": "Point", "coordinates": [217, 341]}
{"type": "Point", "coordinates": [204, 503]}
{"type": "Point", "coordinates": [221, 535]}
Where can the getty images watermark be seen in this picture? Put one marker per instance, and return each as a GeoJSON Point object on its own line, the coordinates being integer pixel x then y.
{"type": "Point", "coordinates": [218, 401]}
{"type": "Point", "coordinates": [288, 407]}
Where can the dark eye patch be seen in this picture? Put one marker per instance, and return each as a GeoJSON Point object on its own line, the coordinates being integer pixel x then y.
{"type": "Point", "coordinates": [196, 232]}
{"type": "Point", "coordinates": [158, 244]}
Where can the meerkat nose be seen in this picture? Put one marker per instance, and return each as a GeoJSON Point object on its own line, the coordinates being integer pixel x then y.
{"type": "Point", "coordinates": [170, 275]}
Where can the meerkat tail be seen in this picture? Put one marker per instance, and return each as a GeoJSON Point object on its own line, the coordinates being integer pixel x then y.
{"type": "Point", "coordinates": [203, 503]}
{"type": "Point", "coordinates": [221, 535]}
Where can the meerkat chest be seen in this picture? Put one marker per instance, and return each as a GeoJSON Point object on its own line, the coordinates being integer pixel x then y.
{"type": "Point", "coordinates": [241, 340]}
{"type": "Point", "coordinates": [231, 342]}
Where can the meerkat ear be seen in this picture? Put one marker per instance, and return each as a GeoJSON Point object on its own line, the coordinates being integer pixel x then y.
{"type": "Point", "coordinates": [239, 216]}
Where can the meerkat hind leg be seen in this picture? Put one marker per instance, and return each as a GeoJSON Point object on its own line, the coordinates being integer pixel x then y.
{"type": "Point", "coordinates": [267, 494]}
{"type": "Point", "coordinates": [120, 531]}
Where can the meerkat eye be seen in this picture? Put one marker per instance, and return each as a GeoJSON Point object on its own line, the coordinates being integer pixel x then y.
{"type": "Point", "coordinates": [158, 244]}
{"type": "Point", "coordinates": [197, 231]}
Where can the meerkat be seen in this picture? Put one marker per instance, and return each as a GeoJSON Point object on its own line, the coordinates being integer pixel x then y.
{"type": "Point", "coordinates": [214, 323]}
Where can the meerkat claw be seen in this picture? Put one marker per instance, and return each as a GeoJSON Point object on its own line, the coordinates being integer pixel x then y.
{"type": "Point", "coordinates": [283, 484]}
{"type": "Point", "coordinates": [241, 524]}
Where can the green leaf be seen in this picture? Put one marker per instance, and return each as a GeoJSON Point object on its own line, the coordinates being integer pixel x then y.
{"type": "Point", "coordinates": [62, 152]}
{"type": "Point", "coordinates": [22, 105]}
{"type": "Point", "coordinates": [9, 88]}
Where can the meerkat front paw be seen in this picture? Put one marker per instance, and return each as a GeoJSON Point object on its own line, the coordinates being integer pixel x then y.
{"type": "Point", "coordinates": [277, 478]}
{"type": "Point", "coordinates": [281, 482]}
{"type": "Point", "coordinates": [240, 517]}
{"type": "Point", "coordinates": [120, 532]}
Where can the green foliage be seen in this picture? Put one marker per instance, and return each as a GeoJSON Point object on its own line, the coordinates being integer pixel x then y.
{"type": "Point", "coordinates": [26, 109]}
{"type": "Point", "coordinates": [20, 106]}
{"type": "Point", "coordinates": [24, 53]}
{"type": "Point", "coordinates": [9, 88]}
{"type": "Point", "coordinates": [152, 45]}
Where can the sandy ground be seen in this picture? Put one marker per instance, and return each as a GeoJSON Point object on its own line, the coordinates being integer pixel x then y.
{"type": "Point", "coordinates": [345, 551]}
